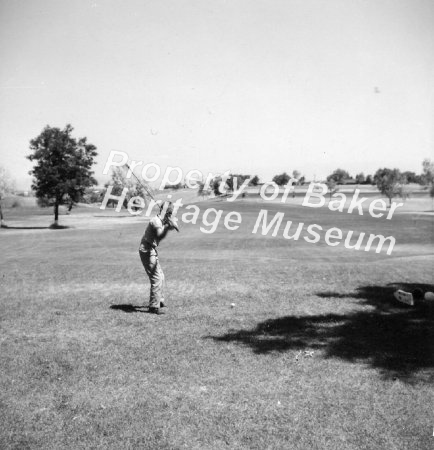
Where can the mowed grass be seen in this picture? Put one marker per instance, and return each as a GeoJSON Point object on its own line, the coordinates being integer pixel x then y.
{"type": "Point", "coordinates": [315, 353]}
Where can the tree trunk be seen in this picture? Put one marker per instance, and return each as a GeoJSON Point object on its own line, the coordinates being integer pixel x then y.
{"type": "Point", "coordinates": [56, 213]}
{"type": "Point", "coordinates": [2, 222]}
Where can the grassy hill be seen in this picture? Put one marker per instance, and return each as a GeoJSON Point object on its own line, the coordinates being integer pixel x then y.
{"type": "Point", "coordinates": [268, 342]}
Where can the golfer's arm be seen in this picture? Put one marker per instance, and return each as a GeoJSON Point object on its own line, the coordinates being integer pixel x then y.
{"type": "Point", "coordinates": [161, 232]}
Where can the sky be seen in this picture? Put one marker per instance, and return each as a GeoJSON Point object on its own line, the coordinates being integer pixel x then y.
{"type": "Point", "coordinates": [251, 86]}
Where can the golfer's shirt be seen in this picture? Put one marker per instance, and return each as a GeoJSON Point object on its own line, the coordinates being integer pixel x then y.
{"type": "Point", "coordinates": [150, 240]}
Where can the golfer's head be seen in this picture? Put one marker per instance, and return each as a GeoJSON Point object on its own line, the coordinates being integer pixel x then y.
{"type": "Point", "coordinates": [166, 209]}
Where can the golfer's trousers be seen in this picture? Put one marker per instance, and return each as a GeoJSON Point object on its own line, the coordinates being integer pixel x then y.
{"type": "Point", "coordinates": [156, 276]}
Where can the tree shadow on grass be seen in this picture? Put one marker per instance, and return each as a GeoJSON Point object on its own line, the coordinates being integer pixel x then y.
{"type": "Point", "coordinates": [381, 297]}
{"type": "Point", "coordinates": [395, 339]}
{"type": "Point", "coordinates": [7, 227]}
{"type": "Point", "coordinates": [49, 227]}
{"type": "Point", "coordinates": [53, 226]}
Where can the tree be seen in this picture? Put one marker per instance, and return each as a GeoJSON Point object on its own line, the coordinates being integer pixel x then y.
{"type": "Point", "coordinates": [360, 178]}
{"type": "Point", "coordinates": [254, 181]}
{"type": "Point", "coordinates": [7, 185]}
{"type": "Point", "coordinates": [234, 185]}
{"type": "Point", "coordinates": [369, 180]}
{"type": "Point", "coordinates": [427, 171]}
{"type": "Point", "coordinates": [282, 179]}
{"type": "Point", "coordinates": [339, 176]}
{"type": "Point", "coordinates": [202, 191]}
{"type": "Point", "coordinates": [390, 183]}
{"type": "Point", "coordinates": [93, 195]}
{"type": "Point", "coordinates": [174, 186]}
{"type": "Point", "coordinates": [410, 177]}
{"type": "Point", "coordinates": [63, 166]}
{"type": "Point", "coordinates": [332, 187]}
{"type": "Point", "coordinates": [215, 185]}
{"type": "Point", "coordinates": [120, 181]}
{"type": "Point", "coordinates": [296, 174]}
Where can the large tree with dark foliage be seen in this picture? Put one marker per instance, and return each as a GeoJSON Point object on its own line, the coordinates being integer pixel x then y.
{"type": "Point", "coordinates": [339, 176]}
{"type": "Point", "coordinates": [63, 167]}
{"type": "Point", "coordinates": [282, 179]}
{"type": "Point", "coordinates": [390, 183]}
{"type": "Point", "coordinates": [360, 178]}
{"type": "Point", "coordinates": [254, 181]}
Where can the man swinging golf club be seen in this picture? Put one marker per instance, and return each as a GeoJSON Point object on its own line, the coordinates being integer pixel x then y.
{"type": "Point", "coordinates": [156, 231]}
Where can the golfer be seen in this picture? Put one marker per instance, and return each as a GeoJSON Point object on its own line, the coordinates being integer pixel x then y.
{"type": "Point", "coordinates": [156, 231]}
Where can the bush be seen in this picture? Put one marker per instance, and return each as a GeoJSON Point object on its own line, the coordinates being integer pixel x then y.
{"type": "Point", "coordinates": [282, 179]}
{"type": "Point", "coordinates": [16, 204]}
{"type": "Point", "coordinates": [174, 186]}
{"type": "Point", "coordinates": [92, 197]}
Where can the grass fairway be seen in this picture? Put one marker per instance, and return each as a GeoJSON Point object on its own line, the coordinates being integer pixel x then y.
{"type": "Point", "coordinates": [315, 354]}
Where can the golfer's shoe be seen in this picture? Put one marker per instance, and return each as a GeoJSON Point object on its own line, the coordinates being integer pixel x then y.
{"type": "Point", "coordinates": [163, 305]}
{"type": "Point", "coordinates": [158, 311]}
